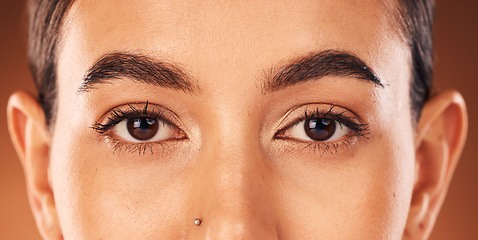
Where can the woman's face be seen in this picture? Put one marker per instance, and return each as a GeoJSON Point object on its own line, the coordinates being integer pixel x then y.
{"type": "Point", "coordinates": [256, 117]}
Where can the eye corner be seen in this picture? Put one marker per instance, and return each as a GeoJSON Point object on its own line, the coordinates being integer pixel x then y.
{"type": "Point", "coordinates": [280, 135]}
{"type": "Point", "coordinates": [100, 128]}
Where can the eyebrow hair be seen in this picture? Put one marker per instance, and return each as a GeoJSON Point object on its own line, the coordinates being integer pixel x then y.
{"type": "Point", "coordinates": [137, 67]}
{"type": "Point", "coordinates": [319, 65]}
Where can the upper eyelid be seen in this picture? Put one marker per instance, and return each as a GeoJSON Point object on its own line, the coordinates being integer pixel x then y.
{"type": "Point", "coordinates": [136, 109]}
{"type": "Point", "coordinates": [310, 110]}
{"type": "Point", "coordinates": [299, 120]}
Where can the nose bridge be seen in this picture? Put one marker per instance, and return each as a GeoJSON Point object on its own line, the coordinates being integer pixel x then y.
{"type": "Point", "coordinates": [234, 196]}
{"type": "Point", "coordinates": [235, 170]}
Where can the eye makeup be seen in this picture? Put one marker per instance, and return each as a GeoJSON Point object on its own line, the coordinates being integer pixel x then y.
{"type": "Point", "coordinates": [318, 127]}
{"type": "Point", "coordinates": [326, 119]}
{"type": "Point", "coordinates": [139, 127]}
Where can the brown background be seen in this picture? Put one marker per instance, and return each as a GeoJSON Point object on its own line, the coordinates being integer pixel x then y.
{"type": "Point", "coordinates": [456, 38]}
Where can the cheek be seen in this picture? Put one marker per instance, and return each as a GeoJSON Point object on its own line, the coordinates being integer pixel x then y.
{"type": "Point", "coordinates": [364, 194]}
{"type": "Point", "coordinates": [388, 185]}
{"type": "Point", "coordinates": [100, 195]}
{"type": "Point", "coordinates": [366, 198]}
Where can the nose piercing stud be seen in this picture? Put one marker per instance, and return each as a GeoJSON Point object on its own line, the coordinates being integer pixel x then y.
{"type": "Point", "coordinates": [197, 221]}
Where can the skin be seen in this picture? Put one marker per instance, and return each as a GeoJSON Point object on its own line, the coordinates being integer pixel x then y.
{"type": "Point", "coordinates": [231, 170]}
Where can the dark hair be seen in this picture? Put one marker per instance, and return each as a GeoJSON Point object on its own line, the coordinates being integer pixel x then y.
{"type": "Point", "coordinates": [45, 23]}
{"type": "Point", "coordinates": [416, 18]}
{"type": "Point", "coordinates": [44, 29]}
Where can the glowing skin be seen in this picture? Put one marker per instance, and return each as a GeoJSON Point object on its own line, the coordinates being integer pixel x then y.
{"type": "Point", "coordinates": [237, 156]}
{"type": "Point", "coordinates": [230, 171]}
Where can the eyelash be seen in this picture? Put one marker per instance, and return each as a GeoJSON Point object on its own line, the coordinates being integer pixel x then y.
{"type": "Point", "coordinates": [118, 115]}
{"type": "Point", "coordinates": [358, 130]}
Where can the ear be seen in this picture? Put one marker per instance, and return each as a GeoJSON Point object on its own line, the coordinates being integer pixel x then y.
{"type": "Point", "coordinates": [440, 138]}
{"type": "Point", "coordinates": [31, 137]}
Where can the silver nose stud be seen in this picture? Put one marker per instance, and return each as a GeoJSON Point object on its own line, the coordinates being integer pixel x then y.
{"type": "Point", "coordinates": [197, 221]}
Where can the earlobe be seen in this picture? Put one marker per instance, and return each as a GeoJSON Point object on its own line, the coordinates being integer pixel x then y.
{"type": "Point", "coordinates": [440, 138]}
{"type": "Point", "coordinates": [31, 137]}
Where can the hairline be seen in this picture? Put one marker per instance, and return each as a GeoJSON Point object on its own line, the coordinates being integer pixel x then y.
{"type": "Point", "coordinates": [397, 21]}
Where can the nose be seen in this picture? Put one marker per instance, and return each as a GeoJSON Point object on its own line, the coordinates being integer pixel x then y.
{"type": "Point", "coordinates": [234, 192]}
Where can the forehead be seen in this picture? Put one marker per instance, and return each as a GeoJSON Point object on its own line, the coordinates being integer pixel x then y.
{"type": "Point", "coordinates": [228, 31]}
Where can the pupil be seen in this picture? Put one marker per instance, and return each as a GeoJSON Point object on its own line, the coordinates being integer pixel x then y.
{"type": "Point", "coordinates": [142, 128]}
{"type": "Point", "coordinates": [320, 129]}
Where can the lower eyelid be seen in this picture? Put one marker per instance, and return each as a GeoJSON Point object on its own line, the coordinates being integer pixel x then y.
{"type": "Point", "coordinates": [127, 147]}
{"type": "Point", "coordinates": [318, 148]}
{"type": "Point", "coordinates": [118, 145]}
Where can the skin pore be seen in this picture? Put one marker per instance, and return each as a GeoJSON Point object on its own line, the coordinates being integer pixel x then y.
{"type": "Point", "coordinates": [233, 151]}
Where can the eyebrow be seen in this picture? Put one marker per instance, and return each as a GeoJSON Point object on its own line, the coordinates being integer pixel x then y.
{"type": "Point", "coordinates": [147, 70]}
{"type": "Point", "coordinates": [319, 65]}
{"type": "Point", "coordinates": [138, 68]}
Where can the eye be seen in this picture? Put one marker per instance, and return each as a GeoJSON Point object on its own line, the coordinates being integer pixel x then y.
{"type": "Point", "coordinates": [144, 129]}
{"type": "Point", "coordinates": [317, 129]}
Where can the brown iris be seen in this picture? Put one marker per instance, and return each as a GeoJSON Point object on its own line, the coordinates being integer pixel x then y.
{"type": "Point", "coordinates": [320, 129]}
{"type": "Point", "coordinates": [142, 128]}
